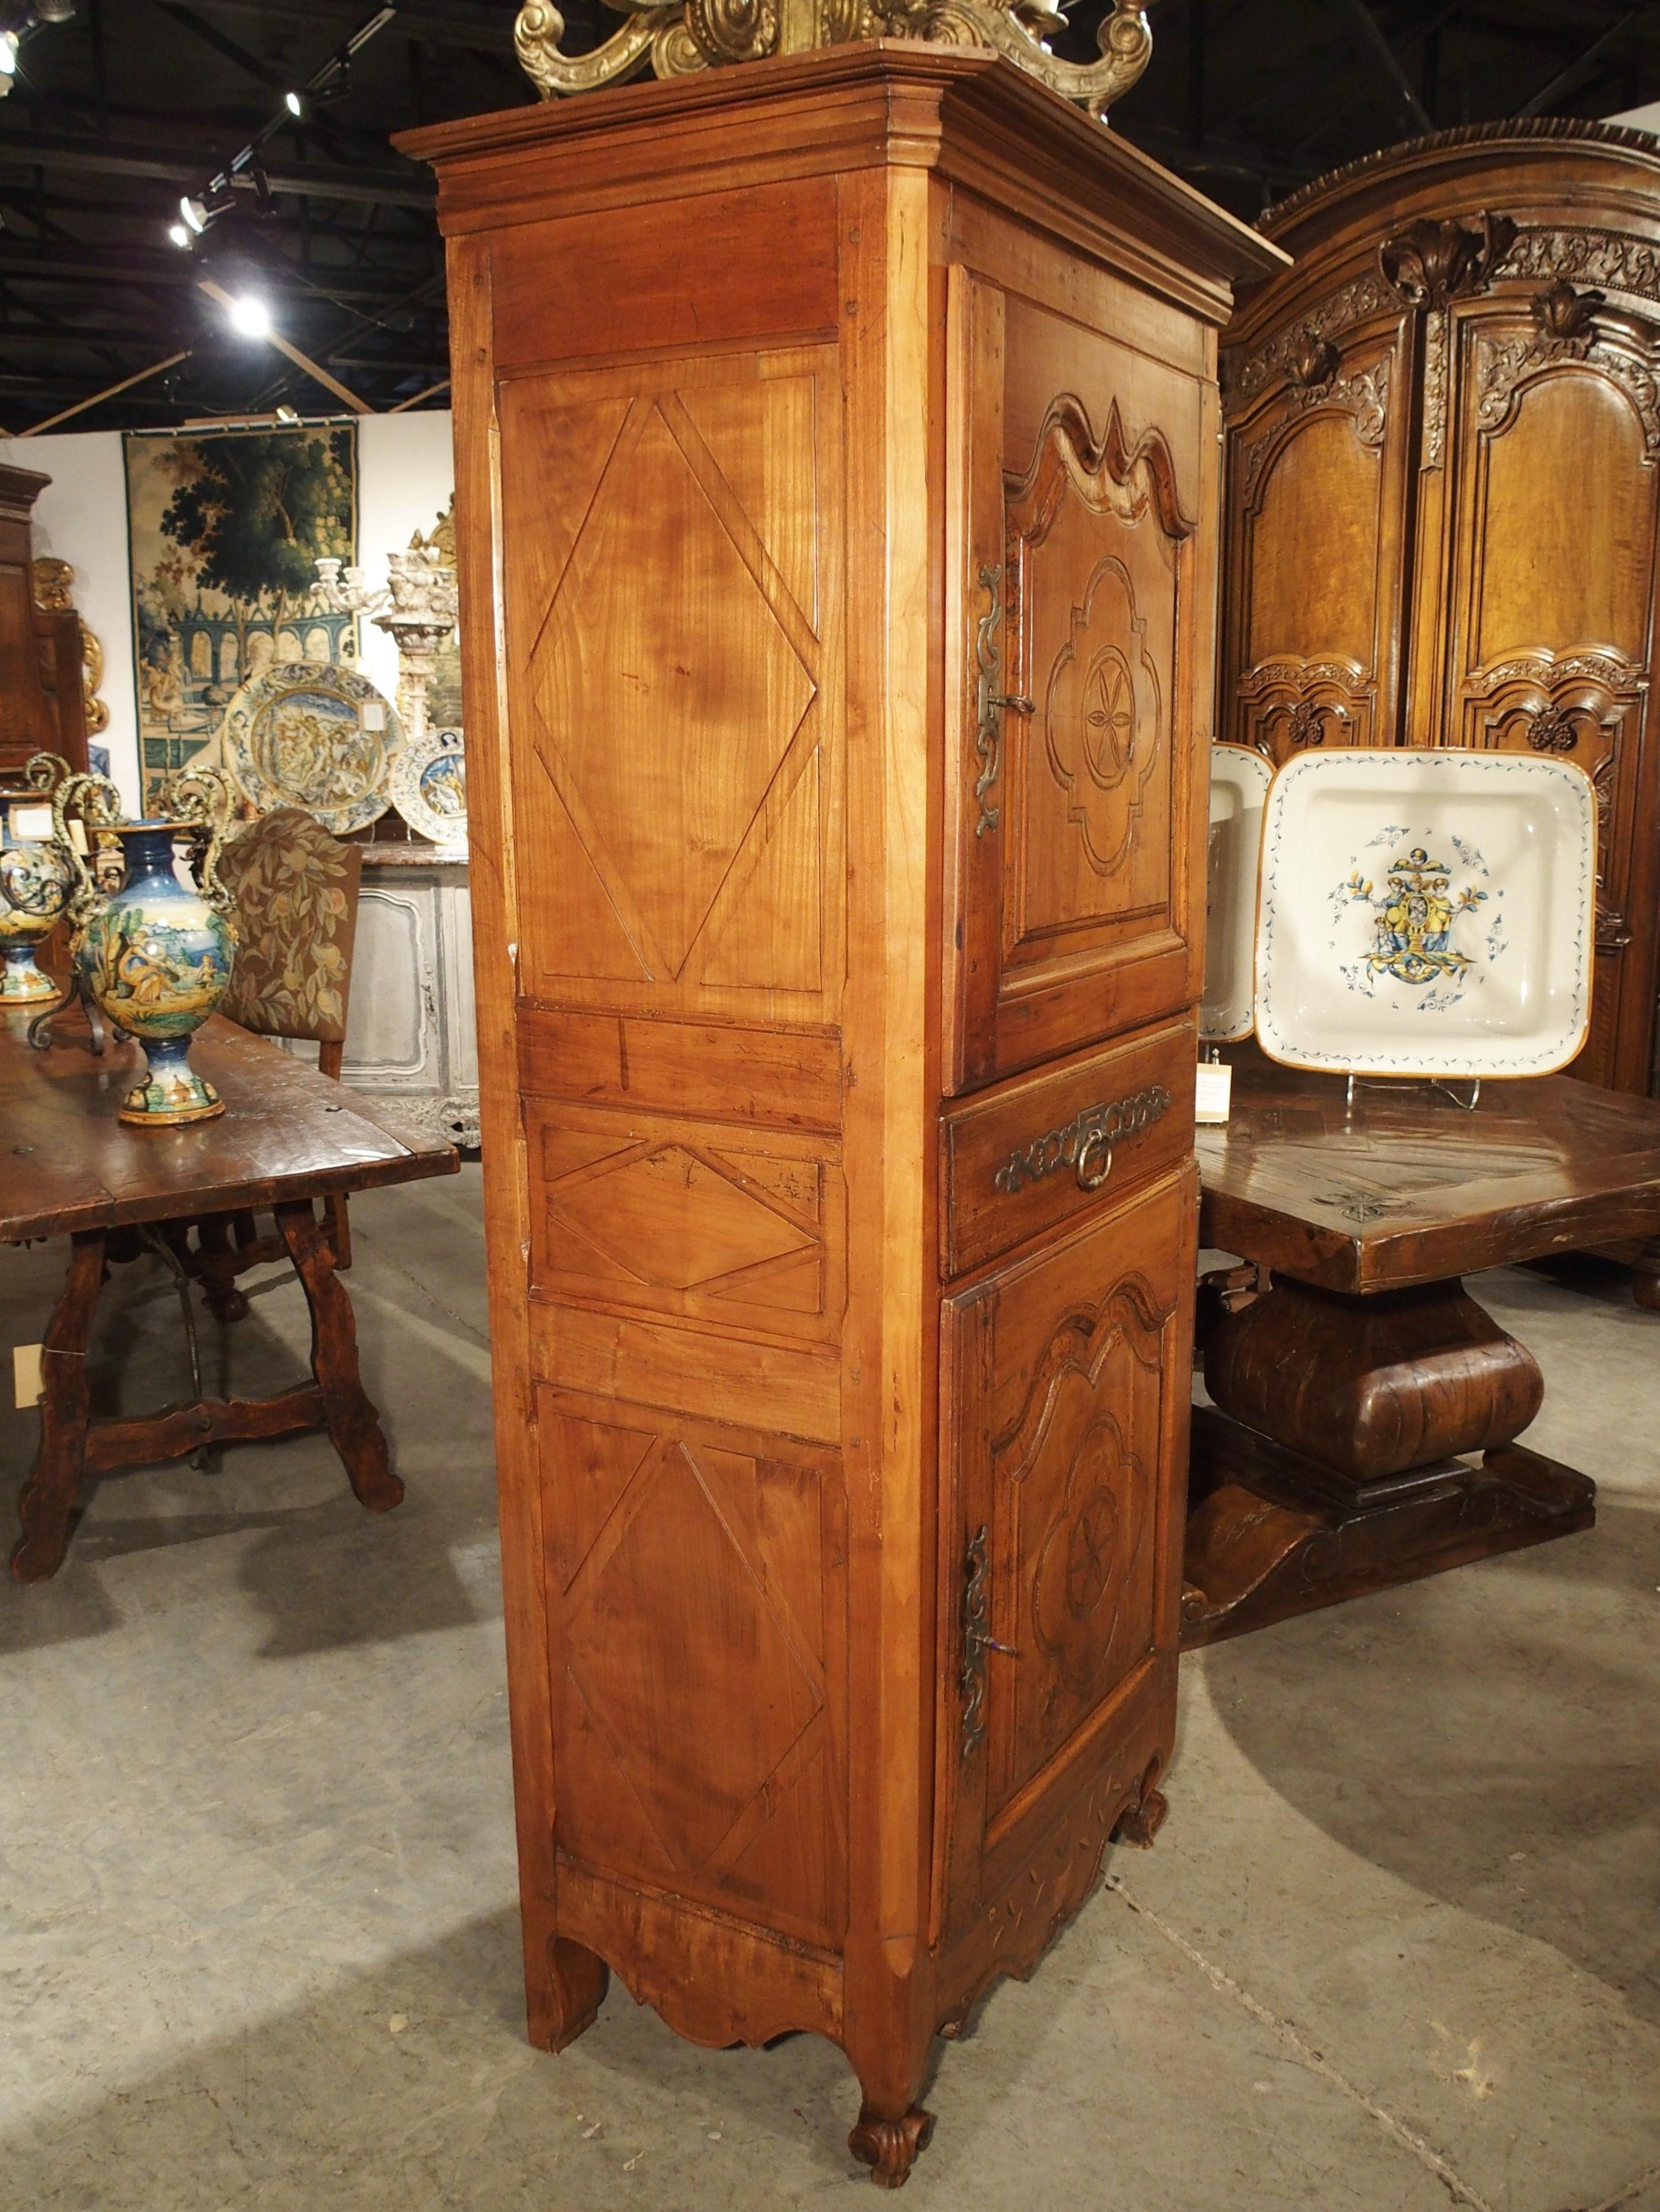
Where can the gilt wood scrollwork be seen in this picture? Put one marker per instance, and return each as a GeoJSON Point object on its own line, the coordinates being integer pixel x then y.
{"type": "Point", "coordinates": [681, 37]}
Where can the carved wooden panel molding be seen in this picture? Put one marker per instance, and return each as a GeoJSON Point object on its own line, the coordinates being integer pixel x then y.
{"type": "Point", "coordinates": [698, 1650]}
{"type": "Point", "coordinates": [1363, 396]}
{"type": "Point", "coordinates": [1329, 318]}
{"type": "Point", "coordinates": [1290, 705]}
{"type": "Point", "coordinates": [673, 1217]}
{"type": "Point", "coordinates": [1570, 328]}
{"type": "Point", "coordinates": [1610, 258]}
{"type": "Point", "coordinates": [1074, 1482]}
{"type": "Point", "coordinates": [1585, 707]}
{"type": "Point", "coordinates": [1093, 629]}
{"type": "Point", "coordinates": [675, 761]}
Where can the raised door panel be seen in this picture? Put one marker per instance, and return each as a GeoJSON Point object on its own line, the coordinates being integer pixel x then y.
{"type": "Point", "coordinates": [1066, 1394]}
{"type": "Point", "coordinates": [1318, 472]}
{"type": "Point", "coordinates": [674, 686]}
{"type": "Point", "coordinates": [1080, 575]}
{"type": "Point", "coordinates": [1548, 645]}
{"type": "Point", "coordinates": [698, 1608]}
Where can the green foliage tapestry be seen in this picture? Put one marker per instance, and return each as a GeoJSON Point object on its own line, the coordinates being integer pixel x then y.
{"type": "Point", "coordinates": [225, 529]}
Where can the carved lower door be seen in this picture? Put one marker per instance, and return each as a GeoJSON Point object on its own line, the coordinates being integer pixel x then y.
{"type": "Point", "coordinates": [1067, 1390]}
{"type": "Point", "coordinates": [1085, 684]}
{"type": "Point", "coordinates": [1551, 553]}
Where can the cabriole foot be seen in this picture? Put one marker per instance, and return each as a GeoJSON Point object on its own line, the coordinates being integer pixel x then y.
{"type": "Point", "coordinates": [890, 2148]}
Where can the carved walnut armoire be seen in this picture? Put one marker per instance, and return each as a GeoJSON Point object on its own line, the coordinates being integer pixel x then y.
{"type": "Point", "coordinates": [1443, 488]}
{"type": "Point", "coordinates": [838, 462]}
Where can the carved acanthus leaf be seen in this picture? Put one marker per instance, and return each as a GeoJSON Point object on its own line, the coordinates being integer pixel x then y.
{"type": "Point", "coordinates": [1429, 264]}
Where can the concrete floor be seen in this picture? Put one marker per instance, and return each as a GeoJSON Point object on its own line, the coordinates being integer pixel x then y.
{"type": "Point", "coordinates": [1397, 1946]}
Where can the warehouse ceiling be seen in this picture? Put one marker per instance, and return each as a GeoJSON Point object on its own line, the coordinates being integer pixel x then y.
{"type": "Point", "coordinates": [121, 109]}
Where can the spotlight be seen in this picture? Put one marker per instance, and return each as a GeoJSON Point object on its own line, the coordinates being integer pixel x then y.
{"type": "Point", "coordinates": [179, 235]}
{"type": "Point", "coordinates": [8, 54]}
{"type": "Point", "coordinates": [288, 418]}
{"type": "Point", "coordinates": [294, 105]}
{"type": "Point", "coordinates": [54, 11]}
{"type": "Point", "coordinates": [249, 317]}
{"type": "Point", "coordinates": [193, 216]}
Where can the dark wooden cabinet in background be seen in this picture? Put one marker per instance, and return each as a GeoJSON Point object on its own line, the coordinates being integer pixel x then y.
{"type": "Point", "coordinates": [42, 702]}
{"type": "Point", "coordinates": [837, 453]}
{"type": "Point", "coordinates": [1443, 488]}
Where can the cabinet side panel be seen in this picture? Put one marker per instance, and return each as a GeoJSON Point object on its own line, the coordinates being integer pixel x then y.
{"type": "Point", "coordinates": [673, 633]}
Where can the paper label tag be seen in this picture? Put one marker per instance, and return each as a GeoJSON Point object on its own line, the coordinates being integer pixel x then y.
{"type": "Point", "coordinates": [33, 822]}
{"type": "Point", "coordinates": [26, 1384]}
{"type": "Point", "coordinates": [374, 716]}
{"type": "Point", "coordinates": [1212, 1091]}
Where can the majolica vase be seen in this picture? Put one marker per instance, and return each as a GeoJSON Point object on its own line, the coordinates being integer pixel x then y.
{"type": "Point", "coordinates": [36, 882]}
{"type": "Point", "coordinates": [154, 956]}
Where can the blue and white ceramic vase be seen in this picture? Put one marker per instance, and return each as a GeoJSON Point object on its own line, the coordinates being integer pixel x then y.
{"type": "Point", "coordinates": [36, 882]}
{"type": "Point", "coordinates": [155, 955]}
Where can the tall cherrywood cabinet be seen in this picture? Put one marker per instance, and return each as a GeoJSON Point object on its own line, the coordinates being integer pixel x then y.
{"type": "Point", "coordinates": [838, 474]}
{"type": "Point", "coordinates": [1443, 488]}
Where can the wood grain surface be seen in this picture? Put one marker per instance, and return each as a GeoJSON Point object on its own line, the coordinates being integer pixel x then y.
{"type": "Point", "coordinates": [66, 1164]}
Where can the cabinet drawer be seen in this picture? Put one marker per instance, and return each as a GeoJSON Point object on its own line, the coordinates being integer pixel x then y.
{"type": "Point", "coordinates": [1045, 1148]}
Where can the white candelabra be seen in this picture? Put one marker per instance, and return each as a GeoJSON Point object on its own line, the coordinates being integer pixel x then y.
{"type": "Point", "coordinates": [416, 608]}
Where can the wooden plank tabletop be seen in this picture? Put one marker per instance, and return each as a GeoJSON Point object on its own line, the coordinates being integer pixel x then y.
{"type": "Point", "coordinates": [66, 1163]}
{"type": "Point", "coordinates": [1407, 1187]}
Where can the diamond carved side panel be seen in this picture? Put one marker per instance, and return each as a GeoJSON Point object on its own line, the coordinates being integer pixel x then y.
{"type": "Point", "coordinates": [687, 1218]}
{"type": "Point", "coordinates": [685, 1665]}
{"type": "Point", "coordinates": [676, 1221]}
{"type": "Point", "coordinates": [697, 1664]}
{"type": "Point", "coordinates": [668, 679]}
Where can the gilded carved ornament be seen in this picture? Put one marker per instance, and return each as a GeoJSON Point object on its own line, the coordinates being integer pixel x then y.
{"type": "Point", "coordinates": [52, 581]}
{"type": "Point", "coordinates": [679, 37]}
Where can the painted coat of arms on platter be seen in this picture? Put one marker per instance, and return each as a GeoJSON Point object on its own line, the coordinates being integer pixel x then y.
{"type": "Point", "coordinates": [225, 529]}
{"type": "Point", "coordinates": [1426, 912]}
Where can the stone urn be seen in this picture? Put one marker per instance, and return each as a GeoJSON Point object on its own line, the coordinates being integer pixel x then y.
{"type": "Point", "coordinates": [153, 952]}
{"type": "Point", "coordinates": [35, 881]}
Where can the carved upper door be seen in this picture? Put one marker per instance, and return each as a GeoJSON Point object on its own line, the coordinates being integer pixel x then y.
{"type": "Point", "coordinates": [1067, 1393]}
{"type": "Point", "coordinates": [1319, 415]}
{"type": "Point", "coordinates": [1082, 684]}
{"type": "Point", "coordinates": [1550, 538]}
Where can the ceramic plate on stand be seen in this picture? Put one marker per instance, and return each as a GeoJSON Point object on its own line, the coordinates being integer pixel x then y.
{"type": "Point", "coordinates": [1427, 913]}
{"type": "Point", "coordinates": [315, 734]}
{"type": "Point", "coordinates": [428, 788]}
{"type": "Point", "coordinates": [1239, 780]}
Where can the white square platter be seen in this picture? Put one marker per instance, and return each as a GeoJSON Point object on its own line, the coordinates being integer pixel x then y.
{"type": "Point", "coordinates": [1239, 780]}
{"type": "Point", "coordinates": [1427, 912]}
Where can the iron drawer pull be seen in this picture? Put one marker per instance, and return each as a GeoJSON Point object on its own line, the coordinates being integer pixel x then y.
{"type": "Point", "coordinates": [1079, 1144]}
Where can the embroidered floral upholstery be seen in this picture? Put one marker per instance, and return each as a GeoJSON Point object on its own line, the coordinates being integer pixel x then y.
{"type": "Point", "coordinates": [295, 888]}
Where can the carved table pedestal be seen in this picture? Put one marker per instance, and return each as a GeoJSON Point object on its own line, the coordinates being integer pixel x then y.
{"type": "Point", "coordinates": [1353, 1376]}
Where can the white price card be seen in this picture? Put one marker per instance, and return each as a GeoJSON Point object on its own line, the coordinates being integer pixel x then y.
{"type": "Point", "coordinates": [1213, 1090]}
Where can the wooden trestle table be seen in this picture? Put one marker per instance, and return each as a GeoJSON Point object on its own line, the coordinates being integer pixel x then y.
{"type": "Point", "coordinates": [288, 1136]}
{"type": "Point", "coordinates": [1348, 1394]}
